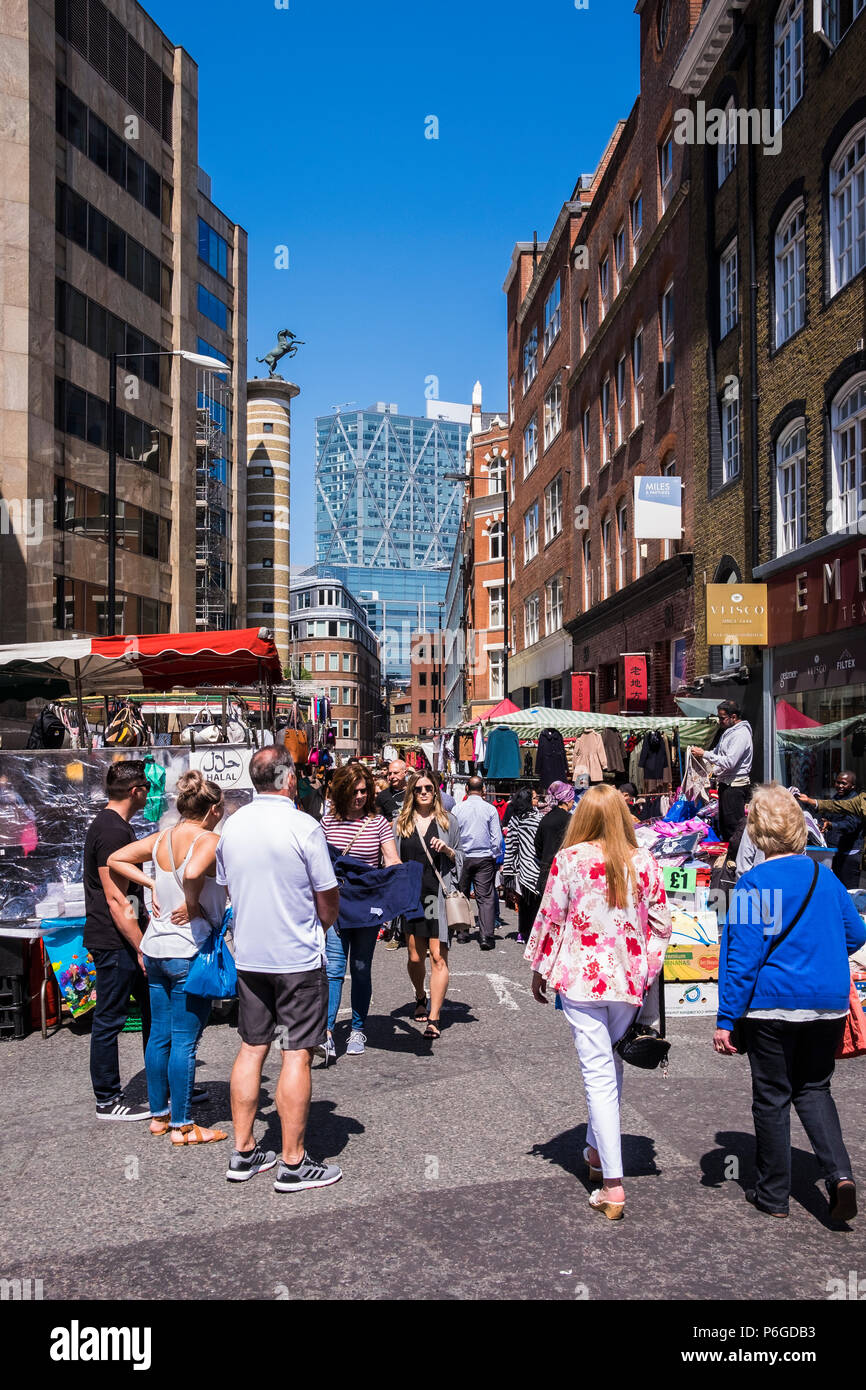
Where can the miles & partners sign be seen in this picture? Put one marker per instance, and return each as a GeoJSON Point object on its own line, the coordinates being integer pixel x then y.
{"type": "Point", "coordinates": [737, 613]}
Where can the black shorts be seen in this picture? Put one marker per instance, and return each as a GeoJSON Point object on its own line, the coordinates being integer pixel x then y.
{"type": "Point", "coordinates": [290, 1008]}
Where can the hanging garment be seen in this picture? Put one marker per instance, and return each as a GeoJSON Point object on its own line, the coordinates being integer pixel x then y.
{"type": "Point", "coordinates": [635, 771]}
{"type": "Point", "coordinates": [465, 747]}
{"type": "Point", "coordinates": [527, 764]}
{"type": "Point", "coordinates": [589, 756]}
{"type": "Point", "coordinates": [551, 762]}
{"type": "Point", "coordinates": [479, 748]}
{"type": "Point", "coordinates": [654, 757]}
{"type": "Point", "coordinates": [614, 750]}
{"type": "Point", "coordinates": [503, 754]}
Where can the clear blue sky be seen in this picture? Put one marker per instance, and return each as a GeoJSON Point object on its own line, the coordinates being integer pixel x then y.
{"type": "Point", "coordinates": [311, 125]}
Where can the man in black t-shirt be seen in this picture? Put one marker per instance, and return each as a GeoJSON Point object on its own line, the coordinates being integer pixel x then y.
{"type": "Point", "coordinates": [389, 802]}
{"type": "Point", "coordinates": [116, 921]}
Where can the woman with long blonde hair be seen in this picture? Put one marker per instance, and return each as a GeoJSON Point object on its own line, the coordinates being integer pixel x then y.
{"type": "Point", "coordinates": [599, 941]}
{"type": "Point", "coordinates": [426, 833]}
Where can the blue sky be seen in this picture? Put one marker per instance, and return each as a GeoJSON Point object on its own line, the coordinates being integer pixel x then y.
{"type": "Point", "coordinates": [312, 127]}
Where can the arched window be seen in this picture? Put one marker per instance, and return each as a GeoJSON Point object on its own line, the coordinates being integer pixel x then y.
{"type": "Point", "coordinates": [791, 488]}
{"type": "Point", "coordinates": [497, 541]}
{"type": "Point", "coordinates": [791, 272]}
{"type": "Point", "coordinates": [789, 68]}
{"type": "Point", "coordinates": [848, 209]}
{"type": "Point", "coordinates": [848, 483]}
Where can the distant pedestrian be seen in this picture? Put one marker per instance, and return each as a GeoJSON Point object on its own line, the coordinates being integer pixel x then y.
{"type": "Point", "coordinates": [844, 824]}
{"type": "Point", "coordinates": [599, 942]}
{"type": "Point", "coordinates": [552, 827]}
{"type": "Point", "coordinates": [354, 827]}
{"type": "Point", "coordinates": [426, 834]}
{"type": "Point", "coordinates": [520, 868]}
{"type": "Point", "coordinates": [275, 861]}
{"type": "Point", "coordinates": [113, 931]}
{"type": "Point", "coordinates": [783, 971]}
{"type": "Point", "coordinates": [481, 843]}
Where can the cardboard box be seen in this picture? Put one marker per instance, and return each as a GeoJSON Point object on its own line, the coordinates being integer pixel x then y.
{"type": "Point", "coordinates": [685, 963]}
{"type": "Point", "coordinates": [697, 999]}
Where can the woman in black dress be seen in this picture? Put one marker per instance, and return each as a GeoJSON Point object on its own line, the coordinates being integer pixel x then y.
{"type": "Point", "coordinates": [422, 816]}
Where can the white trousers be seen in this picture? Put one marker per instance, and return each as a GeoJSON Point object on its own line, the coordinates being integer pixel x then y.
{"type": "Point", "coordinates": [595, 1028]}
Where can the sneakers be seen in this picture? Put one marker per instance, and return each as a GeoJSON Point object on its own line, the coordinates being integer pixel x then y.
{"type": "Point", "coordinates": [119, 1110]}
{"type": "Point", "coordinates": [242, 1167]}
{"type": "Point", "coordinates": [355, 1046]}
{"type": "Point", "coordinates": [327, 1050]}
{"type": "Point", "coordinates": [308, 1173]}
{"type": "Point", "coordinates": [393, 945]}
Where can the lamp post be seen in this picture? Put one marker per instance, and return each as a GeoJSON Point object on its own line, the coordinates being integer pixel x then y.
{"type": "Point", "coordinates": [478, 478]}
{"type": "Point", "coordinates": [197, 359]}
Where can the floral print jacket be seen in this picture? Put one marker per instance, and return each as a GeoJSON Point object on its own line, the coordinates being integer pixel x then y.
{"type": "Point", "coordinates": [588, 951]}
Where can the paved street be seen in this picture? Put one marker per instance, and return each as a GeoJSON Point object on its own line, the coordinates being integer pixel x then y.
{"type": "Point", "coordinates": [462, 1171]}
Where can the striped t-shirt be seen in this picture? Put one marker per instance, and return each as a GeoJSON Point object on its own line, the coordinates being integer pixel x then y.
{"type": "Point", "coordinates": [365, 844]}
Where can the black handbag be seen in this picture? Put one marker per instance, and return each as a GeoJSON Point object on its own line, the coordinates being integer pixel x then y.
{"type": "Point", "coordinates": [738, 1032]}
{"type": "Point", "coordinates": [643, 1046]}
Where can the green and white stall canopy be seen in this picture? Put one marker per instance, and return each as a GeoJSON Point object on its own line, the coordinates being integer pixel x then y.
{"type": "Point", "coordinates": [528, 724]}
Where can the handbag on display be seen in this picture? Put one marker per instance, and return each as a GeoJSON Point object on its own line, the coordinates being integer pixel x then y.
{"type": "Point", "coordinates": [203, 729]}
{"type": "Point", "coordinates": [295, 737]}
{"type": "Point", "coordinates": [458, 909]}
{"type": "Point", "coordinates": [126, 729]}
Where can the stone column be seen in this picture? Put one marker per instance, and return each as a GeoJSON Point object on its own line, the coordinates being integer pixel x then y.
{"type": "Point", "coordinates": [268, 479]}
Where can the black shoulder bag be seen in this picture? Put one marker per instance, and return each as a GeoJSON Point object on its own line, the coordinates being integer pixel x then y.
{"type": "Point", "coordinates": [738, 1032]}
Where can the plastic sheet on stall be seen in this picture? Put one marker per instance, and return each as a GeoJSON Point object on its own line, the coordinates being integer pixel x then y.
{"type": "Point", "coordinates": [48, 799]}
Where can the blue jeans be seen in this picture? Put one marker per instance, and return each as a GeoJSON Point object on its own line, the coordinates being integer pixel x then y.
{"type": "Point", "coordinates": [177, 1022]}
{"type": "Point", "coordinates": [353, 948]}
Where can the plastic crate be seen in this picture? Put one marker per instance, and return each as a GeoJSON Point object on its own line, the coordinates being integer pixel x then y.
{"type": "Point", "coordinates": [13, 991]}
{"type": "Point", "coordinates": [14, 956]}
{"type": "Point", "coordinates": [14, 1023]}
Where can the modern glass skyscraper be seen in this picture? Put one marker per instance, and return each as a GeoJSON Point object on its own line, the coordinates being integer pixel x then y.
{"type": "Point", "coordinates": [386, 516]}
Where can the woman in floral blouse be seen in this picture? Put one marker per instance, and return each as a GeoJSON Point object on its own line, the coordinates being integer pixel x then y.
{"type": "Point", "coordinates": [599, 942]}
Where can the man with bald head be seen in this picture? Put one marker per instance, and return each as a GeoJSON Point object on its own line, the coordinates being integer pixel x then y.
{"type": "Point", "coordinates": [843, 818]}
{"type": "Point", "coordinates": [389, 802]}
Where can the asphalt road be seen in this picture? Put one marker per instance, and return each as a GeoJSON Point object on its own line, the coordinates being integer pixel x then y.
{"type": "Point", "coordinates": [462, 1170]}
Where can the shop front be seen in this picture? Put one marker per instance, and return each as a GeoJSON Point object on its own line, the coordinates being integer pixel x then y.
{"type": "Point", "coordinates": [815, 678]}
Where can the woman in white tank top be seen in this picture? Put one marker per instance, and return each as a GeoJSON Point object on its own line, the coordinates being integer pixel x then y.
{"type": "Point", "coordinates": [169, 946]}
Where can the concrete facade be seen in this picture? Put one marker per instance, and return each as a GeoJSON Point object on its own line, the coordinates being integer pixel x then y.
{"type": "Point", "coordinates": [267, 506]}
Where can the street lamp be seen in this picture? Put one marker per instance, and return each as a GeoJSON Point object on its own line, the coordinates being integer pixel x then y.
{"type": "Point", "coordinates": [478, 478]}
{"type": "Point", "coordinates": [197, 359]}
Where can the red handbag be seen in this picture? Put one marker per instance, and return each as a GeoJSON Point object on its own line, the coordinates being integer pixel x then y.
{"type": "Point", "coordinates": [853, 1043]}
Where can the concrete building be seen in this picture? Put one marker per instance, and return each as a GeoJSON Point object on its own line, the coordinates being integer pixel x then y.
{"type": "Point", "coordinates": [111, 243]}
{"type": "Point", "coordinates": [386, 514]}
{"type": "Point", "coordinates": [335, 654]}
{"type": "Point", "coordinates": [268, 488]}
{"type": "Point", "coordinates": [778, 297]}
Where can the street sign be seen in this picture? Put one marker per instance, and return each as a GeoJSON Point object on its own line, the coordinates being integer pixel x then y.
{"type": "Point", "coordinates": [679, 880]}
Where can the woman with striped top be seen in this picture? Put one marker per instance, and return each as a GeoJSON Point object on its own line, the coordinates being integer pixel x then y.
{"type": "Point", "coordinates": [353, 826]}
{"type": "Point", "coordinates": [521, 861]}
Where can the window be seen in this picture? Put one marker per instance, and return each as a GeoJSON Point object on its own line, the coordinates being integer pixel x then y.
{"type": "Point", "coordinates": [333, 661]}
{"type": "Point", "coordinates": [513, 566]}
{"type": "Point", "coordinates": [213, 308]}
{"type": "Point", "coordinates": [552, 315]}
{"type": "Point", "coordinates": [791, 273]}
{"type": "Point", "coordinates": [848, 210]}
{"type": "Point", "coordinates": [530, 533]}
{"type": "Point", "coordinates": [663, 21]}
{"type": "Point", "coordinates": [728, 289]}
{"type": "Point", "coordinates": [530, 621]}
{"type": "Point", "coordinates": [666, 170]}
{"type": "Point", "coordinates": [788, 60]}
{"type": "Point", "coordinates": [606, 558]}
{"type": "Point", "coordinates": [334, 694]}
{"type": "Point", "coordinates": [530, 446]}
{"type": "Point", "coordinates": [511, 401]}
{"type": "Point", "coordinates": [668, 338]}
{"type": "Point", "coordinates": [620, 401]}
{"type": "Point", "coordinates": [349, 695]}
{"type": "Point", "coordinates": [496, 675]}
{"type": "Point", "coordinates": [622, 556]}
{"type": "Point", "coordinates": [422, 706]}
{"type": "Point", "coordinates": [267, 472]}
{"type": "Point", "coordinates": [731, 435]}
{"type": "Point", "coordinates": [605, 421]}
{"type": "Point", "coordinates": [552, 412]}
{"type": "Point", "coordinates": [267, 427]}
{"type": "Point", "coordinates": [839, 15]}
{"type": "Point", "coordinates": [422, 677]}
{"type": "Point", "coordinates": [618, 259]}
{"type": "Point", "coordinates": [585, 441]}
{"type": "Point", "coordinates": [530, 359]}
{"type": "Point", "coordinates": [637, 375]}
{"type": "Point", "coordinates": [213, 248]}
{"type": "Point", "coordinates": [553, 509]}
{"type": "Point", "coordinates": [268, 563]}
{"type": "Point", "coordinates": [791, 488]}
{"type": "Point", "coordinates": [347, 661]}
{"type": "Point", "coordinates": [588, 595]}
{"type": "Point", "coordinates": [553, 605]}
{"type": "Point", "coordinates": [497, 540]}
{"type": "Point", "coordinates": [497, 470]}
{"type": "Point", "coordinates": [603, 286]}
{"type": "Point", "coordinates": [320, 661]}
{"type": "Point", "coordinates": [584, 322]}
{"type": "Point", "coordinates": [636, 217]}
{"type": "Point", "coordinates": [727, 156]}
{"type": "Point", "coordinates": [849, 456]}
{"type": "Point", "coordinates": [346, 726]}
{"type": "Point", "coordinates": [496, 606]}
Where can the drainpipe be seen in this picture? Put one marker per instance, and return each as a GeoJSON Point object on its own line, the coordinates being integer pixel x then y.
{"type": "Point", "coordinates": [753, 319]}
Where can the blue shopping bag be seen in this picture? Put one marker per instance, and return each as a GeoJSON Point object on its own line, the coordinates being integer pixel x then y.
{"type": "Point", "coordinates": [213, 973]}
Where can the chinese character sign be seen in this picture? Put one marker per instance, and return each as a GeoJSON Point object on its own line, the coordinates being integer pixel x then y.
{"type": "Point", "coordinates": [580, 690]}
{"type": "Point", "coordinates": [635, 672]}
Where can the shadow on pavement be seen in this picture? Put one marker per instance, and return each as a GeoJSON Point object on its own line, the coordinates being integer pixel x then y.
{"type": "Point", "coordinates": [327, 1131]}
{"type": "Point", "coordinates": [566, 1151]}
{"type": "Point", "coordinates": [717, 1169]}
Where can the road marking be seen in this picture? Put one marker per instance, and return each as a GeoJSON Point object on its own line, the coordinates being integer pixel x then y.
{"type": "Point", "coordinates": [502, 986]}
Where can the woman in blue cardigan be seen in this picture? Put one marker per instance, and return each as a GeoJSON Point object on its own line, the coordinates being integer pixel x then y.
{"type": "Point", "coordinates": [784, 971]}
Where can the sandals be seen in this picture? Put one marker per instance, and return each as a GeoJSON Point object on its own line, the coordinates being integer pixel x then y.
{"type": "Point", "coordinates": [432, 1030]}
{"type": "Point", "coordinates": [193, 1134]}
{"type": "Point", "coordinates": [162, 1123]}
{"type": "Point", "coordinates": [421, 1014]}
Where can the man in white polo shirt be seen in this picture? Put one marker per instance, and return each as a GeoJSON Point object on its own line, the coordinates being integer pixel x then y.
{"type": "Point", "coordinates": [275, 861]}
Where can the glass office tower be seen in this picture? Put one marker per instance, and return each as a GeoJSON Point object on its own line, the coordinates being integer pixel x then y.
{"type": "Point", "coordinates": [386, 516]}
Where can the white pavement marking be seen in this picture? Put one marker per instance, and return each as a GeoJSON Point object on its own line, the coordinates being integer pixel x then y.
{"type": "Point", "coordinates": [502, 987]}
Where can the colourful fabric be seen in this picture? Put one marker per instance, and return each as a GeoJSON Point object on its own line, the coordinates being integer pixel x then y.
{"type": "Point", "coordinates": [589, 951]}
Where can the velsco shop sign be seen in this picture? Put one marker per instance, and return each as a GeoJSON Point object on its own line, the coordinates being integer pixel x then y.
{"type": "Point", "coordinates": [737, 613]}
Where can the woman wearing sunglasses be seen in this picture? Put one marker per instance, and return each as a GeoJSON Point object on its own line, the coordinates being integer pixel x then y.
{"type": "Point", "coordinates": [426, 833]}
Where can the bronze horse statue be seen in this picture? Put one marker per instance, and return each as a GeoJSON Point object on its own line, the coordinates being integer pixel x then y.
{"type": "Point", "coordinates": [287, 346]}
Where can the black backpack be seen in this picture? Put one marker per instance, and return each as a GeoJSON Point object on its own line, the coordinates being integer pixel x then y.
{"type": "Point", "coordinates": [48, 730]}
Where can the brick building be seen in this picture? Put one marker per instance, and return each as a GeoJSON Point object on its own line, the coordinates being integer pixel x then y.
{"type": "Point", "coordinates": [426, 679]}
{"type": "Point", "coordinates": [779, 369]}
{"type": "Point", "coordinates": [483, 536]}
{"type": "Point", "coordinates": [629, 393]}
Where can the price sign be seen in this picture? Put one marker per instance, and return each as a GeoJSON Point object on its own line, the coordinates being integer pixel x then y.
{"type": "Point", "coordinates": [680, 880]}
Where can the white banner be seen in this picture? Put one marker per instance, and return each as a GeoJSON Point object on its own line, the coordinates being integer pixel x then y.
{"type": "Point", "coordinates": [658, 508]}
{"type": "Point", "coordinates": [227, 767]}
